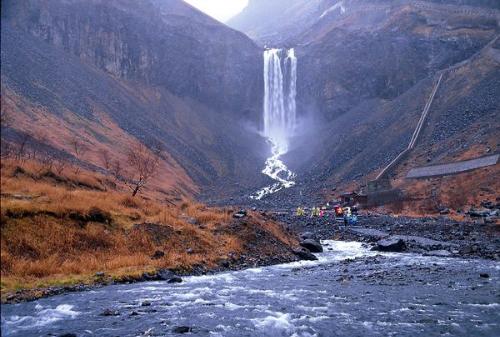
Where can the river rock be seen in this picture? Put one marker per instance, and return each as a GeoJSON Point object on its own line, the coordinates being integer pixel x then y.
{"type": "Point", "coordinates": [478, 213]}
{"type": "Point", "coordinates": [390, 245]}
{"type": "Point", "coordinates": [440, 253]}
{"type": "Point", "coordinates": [175, 279]}
{"type": "Point", "coordinates": [307, 235]}
{"type": "Point", "coordinates": [158, 255]}
{"type": "Point", "coordinates": [110, 312]}
{"type": "Point", "coordinates": [304, 254]}
{"type": "Point", "coordinates": [312, 245]}
{"type": "Point", "coordinates": [182, 329]}
{"type": "Point", "coordinates": [240, 214]}
{"type": "Point", "coordinates": [165, 274]}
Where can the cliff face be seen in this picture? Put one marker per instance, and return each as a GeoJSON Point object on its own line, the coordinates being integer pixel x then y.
{"type": "Point", "coordinates": [121, 71]}
{"type": "Point", "coordinates": [161, 43]}
{"type": "Point", "coordinates": [382, 50]}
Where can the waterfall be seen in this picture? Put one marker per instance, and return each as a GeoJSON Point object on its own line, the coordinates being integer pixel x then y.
{"type": "Point", "coordinates": [279, 115]}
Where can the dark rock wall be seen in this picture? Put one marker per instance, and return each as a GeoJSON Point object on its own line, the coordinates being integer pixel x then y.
{"type": "Point", "coordinates": [161, 70]}
{"type": "Point", "coordinates": [163, 43]}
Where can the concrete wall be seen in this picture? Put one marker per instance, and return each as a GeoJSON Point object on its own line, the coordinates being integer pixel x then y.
{"type": "Point", "coordinates": [452, 168]}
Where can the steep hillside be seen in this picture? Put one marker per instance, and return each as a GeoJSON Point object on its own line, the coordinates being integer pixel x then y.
{"type": "Point", "coordinates": [149, 71]}
{"type": "Point", "coordinates": [279, 22]}
{"type": "Point", "coordinates": [365, 72]}
{"type": "Point", "coordinates": [67, 231]}
{"type": "Point", "coordinates": [373, 80]}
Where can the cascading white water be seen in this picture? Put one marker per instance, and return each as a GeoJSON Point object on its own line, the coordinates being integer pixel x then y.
{"type": "Point", "coordinates": [280, 115]}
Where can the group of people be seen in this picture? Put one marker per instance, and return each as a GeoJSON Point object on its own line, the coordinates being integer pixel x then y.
{"type": "Point", "coordinates": [315, 212]}
{"type": "Point", "coordinates": [349, 214]}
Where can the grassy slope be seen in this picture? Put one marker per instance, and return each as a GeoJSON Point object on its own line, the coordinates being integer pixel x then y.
{"type": "Point", "coordinates": [59, 229]}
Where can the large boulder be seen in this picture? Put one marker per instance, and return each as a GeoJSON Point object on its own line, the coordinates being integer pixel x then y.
{"type": "Point", "coordinates": [240, 214]}
{"type": "Point", "coordinates": [312, 245]}
{"type": "Point", "coordinates": [304, 254]}
{"type": "Point", "coordinates": [307, 235]}
{"type": "Point", "coordinates": [478, 213]}
{"type": "Point", "coordinates": [390, 245]}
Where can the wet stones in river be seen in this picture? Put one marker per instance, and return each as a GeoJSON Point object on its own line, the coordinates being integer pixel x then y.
{"type": "Point", "coordinates": [312, 245]}
{"type": "Point", "coordinates": [175, 279]}
{"type": "Point", "coordinates": [110, 312]}
{"type": "Point", "coordinates": [168, 275]}
{"type": "Point", "coordinates": [390, 245]}
{"type": "Point", "coordinates": [440, 253]}
{"type": "Point", "coordinates": [182, 329]}
{"type": "Point", "coordinates": [304, 254]}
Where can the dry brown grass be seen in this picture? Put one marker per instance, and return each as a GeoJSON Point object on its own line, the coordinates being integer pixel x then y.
{"type": "Point", "coordinates": [456, 192]}
{"type": "Point", "coordinates": [61, 229]}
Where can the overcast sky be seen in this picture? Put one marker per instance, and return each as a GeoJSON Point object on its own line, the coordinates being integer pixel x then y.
{"type": "Point", "coordinates": [222, 10]}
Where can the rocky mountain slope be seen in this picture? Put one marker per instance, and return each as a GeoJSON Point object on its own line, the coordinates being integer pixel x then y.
{"type": "Point", "coordinates": [365, 72]}
{"type": "Point", "coordinates": [280, 22]}
{"type": "Point", "coordinates": [160, 71]}
{"type": "Point", "coordinates": [147, 71]}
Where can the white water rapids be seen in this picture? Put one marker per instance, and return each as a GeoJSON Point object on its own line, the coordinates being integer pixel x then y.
{"type": "Point", "coordinates": [279, 115]}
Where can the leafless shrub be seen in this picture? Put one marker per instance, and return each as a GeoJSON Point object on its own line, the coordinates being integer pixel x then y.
{"type": "Point", "coordinates": [116, 169]}
{"type": "Point", "coordinates": [21, 147]}
{"type": "Point", "coordinates": [144, 162]}
{"type": "Point", "coordinates": [79, 149]}
{"type": "Point", "coordinates": [105, 158]}
{"type": "Point", "coordinates": [59, 165]}
{"type": "Point", "coordinates": [6, 149]}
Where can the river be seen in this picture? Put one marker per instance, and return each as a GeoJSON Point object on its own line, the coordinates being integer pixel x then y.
{"type": "Point", "coordinates": [349, 291]}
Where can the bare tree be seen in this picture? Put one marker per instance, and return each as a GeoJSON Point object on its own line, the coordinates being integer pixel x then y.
{"type": "Point", "coordinates": [6, 149]}
{"type": "Point", "coordinates": [59, 165]}
{"type": "Point", "coordinates": [79, 150]}
{"type": "Point", "coordinates": [22, 146]}
{"type": "Point", "coordinates": [40, 141]}
{"type": "Point", "coordinates": [144, 163]}
{"type": "Point", "coordinates": [47, 159]}
{"type": "Point", "coordinates": [105, 159]}
{"type": "Point", "coordinates": [116, 169]}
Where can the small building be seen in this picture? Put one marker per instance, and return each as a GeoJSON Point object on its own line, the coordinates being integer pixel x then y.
{"type": "Point", "coordinates": [353, 198]}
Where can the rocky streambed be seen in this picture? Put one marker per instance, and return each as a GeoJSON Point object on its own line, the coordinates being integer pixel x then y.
{"type": "Point", "coordinates": [431, 236]}
{"type": "Point", "coordinates": [350, 290]}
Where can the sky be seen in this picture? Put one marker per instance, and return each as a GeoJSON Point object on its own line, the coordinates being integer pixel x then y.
{"type": "Point", "coordinates": [221, 10]}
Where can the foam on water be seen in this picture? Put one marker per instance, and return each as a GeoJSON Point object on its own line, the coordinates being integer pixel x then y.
{"type": "Point", "coordinates": [282, 300]}
{"type": "Point", "coordinates": [40, 318]}
{"type": "Point", "coordinates": [276, 324]}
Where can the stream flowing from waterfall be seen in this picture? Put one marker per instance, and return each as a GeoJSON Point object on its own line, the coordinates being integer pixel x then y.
{"type": "Point", "coordinates": [279, 115]}
{"type": "Point", "coordinates": [349, 291]}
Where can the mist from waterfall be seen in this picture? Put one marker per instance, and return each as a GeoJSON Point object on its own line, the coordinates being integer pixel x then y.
{"type": "Point", "coordinates": [279, 115]}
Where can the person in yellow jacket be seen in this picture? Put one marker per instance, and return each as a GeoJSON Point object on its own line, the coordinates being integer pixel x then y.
{"type": "Point", "coordinates": [300, 211]}
{"type": "Point", "coordinates": [315, 211]}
